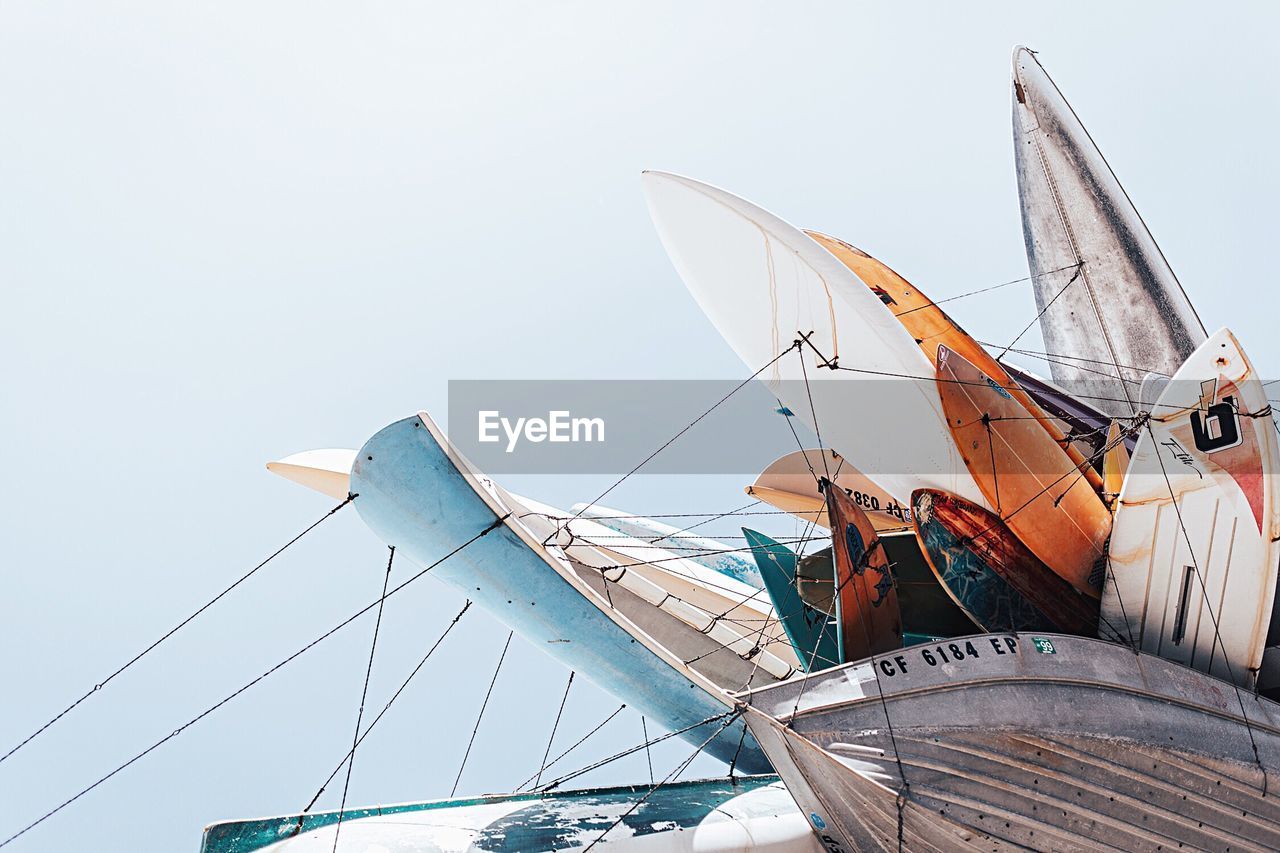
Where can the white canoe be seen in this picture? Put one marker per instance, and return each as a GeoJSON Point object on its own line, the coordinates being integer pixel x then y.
{"type": "Point", "coordinates": [764, 283]}
{"type": "Point", "coordinates": [1178, 564]}
{"type": "Point", "coordinates": [742, 613]}
{"type": "Point", "coordinates": [734, 562]}
{"type": "Point", "coordinates": [739, 616]}
{"type": "Point", "coordinates": [1125, 315]}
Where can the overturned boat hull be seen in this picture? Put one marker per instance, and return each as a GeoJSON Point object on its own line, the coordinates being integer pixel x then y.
{"type": "Point", "coordinates": [752, 814]}
{"type": "Point", "coordinates": [1005, 741]}
{"type": "Point", "coordinates": [1111, 309]}
{"type": "Point", "coordinates": [416, 493]}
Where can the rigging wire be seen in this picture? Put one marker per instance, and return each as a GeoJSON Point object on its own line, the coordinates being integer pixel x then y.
{"type": "Point", "coordinates": [180, 729]}
{"type": "Point", "coordinates": [986, 289]}
{"type": "Point", "coordinates": [1213, 618]}
{"type": "Point", "coordinates": [595, 765]}
{"type": "Point", "coordinates": [480, 716]}
{"type": "Point", "coordinates": [175, 629]}
{"type": "Point", "coordinates": [680, 534]}
{"type": "Point", "coordinates": [668, 778]}
{"type": "Point", "coordinates": [865, 560]}
{"type": "Point", "coordinates": [563, 699]}
{"type": "Point", "coordinates": [644, 729]}
{"type": "Point", "coordinates": [381, 713]}
{"type": "Point", "coordinates": [684, 429]}
{"type": "Point", "coordinates": [1045, 355]}
{"type": "Point", "coordinates": [577, 743]}
{"type": "Point", "coordinates": [1076, 275]}
{"type": "Point", "coordinates": [364, 694]}
{"type": "Point", "coordinates": [993, 384]}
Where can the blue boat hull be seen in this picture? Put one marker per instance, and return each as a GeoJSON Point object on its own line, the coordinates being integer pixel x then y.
{"type": "Point", "coordinates": [414, 496]}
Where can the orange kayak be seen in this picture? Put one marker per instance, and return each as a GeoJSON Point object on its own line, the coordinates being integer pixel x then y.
{"type": "Point", "coordinates": [1033, 484]}
{"type": "Point", "coordinates": [932, 327]}
{"type": "Point", "coordinates": [869, 618]}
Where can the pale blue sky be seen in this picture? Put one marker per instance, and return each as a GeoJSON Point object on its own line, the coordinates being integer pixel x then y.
{"type": "Point", "coordinates": [232, 231]}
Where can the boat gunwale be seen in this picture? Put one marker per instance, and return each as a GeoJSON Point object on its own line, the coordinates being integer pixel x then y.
{"type": "Point", "coordinates": [507, 514]}
{"type": "Point", "coordinates": [748, 696]}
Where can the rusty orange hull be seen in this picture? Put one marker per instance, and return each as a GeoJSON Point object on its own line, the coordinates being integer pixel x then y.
{"type": "Point", "coordinates": [932, 327]}
{"type": "Point", "coordinates": [1033, 484]}
{"type": "Point", "coordinates": [869, 618]}
{"type": "Point", "coordinates": [970, 533]}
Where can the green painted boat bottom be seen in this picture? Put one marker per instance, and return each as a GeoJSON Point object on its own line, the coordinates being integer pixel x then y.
{"type": "Point", "coordinates": [679, 805]}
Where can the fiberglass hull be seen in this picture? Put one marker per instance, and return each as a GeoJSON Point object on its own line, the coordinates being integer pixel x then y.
{"type": "Point", "coordinates": [414, 494]}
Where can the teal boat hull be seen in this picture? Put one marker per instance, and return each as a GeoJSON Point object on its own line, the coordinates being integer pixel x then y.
{"type": "Point", "coordinates": [752, 813]}
{"type": "Point", "coordinates": [813, 634]}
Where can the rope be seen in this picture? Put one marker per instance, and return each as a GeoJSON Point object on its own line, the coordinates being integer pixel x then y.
{"type": "Point", "coordinates": [1066, 359]}
{"type": "Point", "coordinates": [993, 384]}
{"type": "Point", "coordinates": [326, 635]}
{"type": "Point", "coordinates": [732, 764]}
{"type": "Point", "coordinates": [381, 713]}
{"type": "Point", "coordinates": [551, 786]}
{"type": "Point", "coordinates": [986, 289]}
{"type": "Point", "coordinates": [578, 743]}
{"type": "Point", "coordinates": [175, 629]}
{"type": "Point", "coordinates": [668, 778]}
{"type": "Point", "coordinates": [364, 694]}
{"type": "Point", "coordinates": [804, 371]}
{"type": "Point", "coordinates": [555, 726]}
{"type": "Point", "coordinates": [991, 449]}
{"type": "Point", "coordinates": [644, 728]}
{"type": "Point", "coordinates": [679, 515]}
{"type": "Point", "coordinates": [1208, 606]}
{"type": "Point", "coordinates": [679, 533]}
{"type": "Point", "coordinates": [480, 716]}
{"type": "Point", "coordinates": [1079, 266]}
{"type": "Point", "coordinates": [683, 430]}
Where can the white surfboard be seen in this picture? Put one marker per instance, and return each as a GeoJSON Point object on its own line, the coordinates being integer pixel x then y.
{"type": "Point", "coordinates": [327, 471]}
{"type": "Point", "coordinates": [789, 484]}
{"type": "Point", "coordinates": [1196, 518]}
{"type": "Point", "coordinates": [1124, 315]}
{"type": "Point", "coordinates": [764, 283]}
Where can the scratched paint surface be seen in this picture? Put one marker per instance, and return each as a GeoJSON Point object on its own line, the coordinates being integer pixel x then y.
{"type": "Point", "coordinates": [523, 822]}
{"type": "Point", "coordinates": [988, 599]}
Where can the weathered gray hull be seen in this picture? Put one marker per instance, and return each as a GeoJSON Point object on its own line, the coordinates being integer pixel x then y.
{"type": "Point", "coordinates": [1088, 746]}
{"type": "Point", "coordinates": [1125, 315]}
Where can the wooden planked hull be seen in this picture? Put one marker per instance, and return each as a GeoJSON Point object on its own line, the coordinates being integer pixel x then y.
{"type": "Point", "coordinates": [1041, 742]}
{"type": "Point", "coordinates": [1030, 481]}
{"type": "Point", "coordinates": [1112, 308]}
{"type": "Point", "coordinates": [964, 568]}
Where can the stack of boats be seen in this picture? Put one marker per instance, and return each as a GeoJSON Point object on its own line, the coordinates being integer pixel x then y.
{"type": "Point", "coordinates": [1033, 613]}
